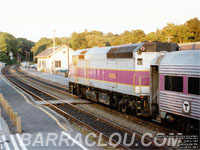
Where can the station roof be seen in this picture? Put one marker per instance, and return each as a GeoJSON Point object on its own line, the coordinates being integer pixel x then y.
{"type": "Point", "coordinates": [49, 51]}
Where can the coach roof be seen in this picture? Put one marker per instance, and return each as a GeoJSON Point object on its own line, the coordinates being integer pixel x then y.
{"type": "Point", "coordinates": [187, 57]}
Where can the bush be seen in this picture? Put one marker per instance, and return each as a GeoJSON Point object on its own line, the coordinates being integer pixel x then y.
{"type": "Point", "coordinates": [6, 59]}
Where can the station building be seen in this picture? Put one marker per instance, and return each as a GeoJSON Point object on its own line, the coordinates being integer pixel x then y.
{"type": "Point", "coordinates": [46, 58]}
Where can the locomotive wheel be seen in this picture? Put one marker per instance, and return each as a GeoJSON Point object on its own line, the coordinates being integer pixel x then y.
{"type": "Point", "coordinates": [115, 103]}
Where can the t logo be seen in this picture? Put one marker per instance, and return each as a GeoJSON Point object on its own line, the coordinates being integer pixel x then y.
{"type": "Point", "coordinates": [186, 107]}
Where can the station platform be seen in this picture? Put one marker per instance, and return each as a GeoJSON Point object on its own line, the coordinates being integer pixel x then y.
{"type": "Point", "coordinates": [42, 128]}
{"type": "Point", "coordinates": [56, 78]}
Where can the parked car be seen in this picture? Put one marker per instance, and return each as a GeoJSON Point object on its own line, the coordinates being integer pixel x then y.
{"type": "Point", "coordinates": [34, 66]}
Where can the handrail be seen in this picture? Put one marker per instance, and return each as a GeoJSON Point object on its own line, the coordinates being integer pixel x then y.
{"type": "Point", "coordinates": [139, 85]}
{"type": "Point", "coordinates": [134, 84]}
{"type": "Point", "coordinates": [155, 95]}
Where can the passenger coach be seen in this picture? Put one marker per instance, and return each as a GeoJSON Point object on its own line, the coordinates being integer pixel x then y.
{"type": "Point", "coordinates": [175, 87]}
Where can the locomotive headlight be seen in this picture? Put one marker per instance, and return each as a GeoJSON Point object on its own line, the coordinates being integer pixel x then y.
{"type": "Point", "coordinates": [142, 49]}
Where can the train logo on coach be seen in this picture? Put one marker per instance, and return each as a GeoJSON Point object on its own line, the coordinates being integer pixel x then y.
{"type": "Point", "coordinates": [186, 107]}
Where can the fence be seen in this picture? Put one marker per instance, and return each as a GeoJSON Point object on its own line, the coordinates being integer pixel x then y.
{"type": "Point", "coordinates": [12, 115]}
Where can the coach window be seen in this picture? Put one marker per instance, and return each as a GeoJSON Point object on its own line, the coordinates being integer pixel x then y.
{"type": "Point", "coordinates": [174, 83]}
{"type": "Point", "coordinates": [139, 61]}
{"type": "Point", "coordinates": [193, 85]}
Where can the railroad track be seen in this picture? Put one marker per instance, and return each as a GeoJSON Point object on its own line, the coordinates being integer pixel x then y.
{"type": "Point", "coordinates": [82, 117]}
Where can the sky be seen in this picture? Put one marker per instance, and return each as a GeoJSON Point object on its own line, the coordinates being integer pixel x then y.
{"type": "Point", "coordinates": [33, 19]}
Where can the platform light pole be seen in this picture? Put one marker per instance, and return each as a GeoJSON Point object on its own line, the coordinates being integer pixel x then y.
{"type": "Point", "coordinates": [54, 49]}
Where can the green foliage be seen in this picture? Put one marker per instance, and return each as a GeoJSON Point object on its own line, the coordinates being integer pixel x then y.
{"type": "Point", "coordinates": [194, 29]}
{"type": "Point", "coordinates": [5, 58]}
{"type": "Point", "coordinates": [41, 45]}
{"type": "Point", "coordinates": [78, 41]}
{"type": "Point", "coordinates": [188, 32]}
{"type": "Point", "coordinates": [151, 37]}
{"type": "Point", "coordinates": [8, 43]}
{"type": "Point", "coordinates": [24, 46]}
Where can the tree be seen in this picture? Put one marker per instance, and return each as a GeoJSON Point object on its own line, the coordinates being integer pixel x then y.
{"type": "Point", "coordinates": [24, 45]}
{"type": "Point", "coordinates": [41, 45]}
{"type": "Point", "coordinates": [78, 41]}
{"type": "Point", "coordinates": [181, 34]}
{"type": "Point", "coordinates": [96, 40]}
{"type": "Point", "coordinates": [8, 43]}
{"type": "Point", "coordinates": [151, 37]}
{"type": "Point", "coordinates": [194, 29]}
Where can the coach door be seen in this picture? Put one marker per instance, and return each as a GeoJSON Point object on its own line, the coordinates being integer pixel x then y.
{"type": "Point", "coordinates": [154, 83]}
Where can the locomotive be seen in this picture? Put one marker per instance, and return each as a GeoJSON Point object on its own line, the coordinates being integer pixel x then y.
{"type": "Point", "coordinates": [130, 78]}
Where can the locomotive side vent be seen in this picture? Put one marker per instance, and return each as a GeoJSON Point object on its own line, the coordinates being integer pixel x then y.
{"type": "Point", "coordinates": [121, 52]}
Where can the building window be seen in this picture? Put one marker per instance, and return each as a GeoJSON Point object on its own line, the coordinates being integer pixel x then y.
{"type": "Point", "coordinates": [194, 85]}
{"type": "Point", "coordinates": [139, 61]}
{"type": "Point", "coordinates": [58, 64]}
{"type": "Point", "coordinates": [174, 83]}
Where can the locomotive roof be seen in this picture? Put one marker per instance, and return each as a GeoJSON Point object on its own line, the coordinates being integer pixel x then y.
{"type": "Point", "coordinates": [187, 57]}
{"type": "Point", "coordinates": [110, 50]}
{"type": "Point", "coordinates": [124, 51]}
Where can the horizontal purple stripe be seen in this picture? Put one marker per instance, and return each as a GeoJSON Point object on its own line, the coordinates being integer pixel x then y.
{"type": "Point", "coordinates": [162, 83]}
{"type": "Point", "coordinates": [115, 76]}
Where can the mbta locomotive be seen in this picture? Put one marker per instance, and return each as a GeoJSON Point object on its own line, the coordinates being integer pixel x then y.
{"type": "Point", "coordinates": [138, 79]}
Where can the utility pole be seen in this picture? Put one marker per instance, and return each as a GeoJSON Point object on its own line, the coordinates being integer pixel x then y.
{"type": "Point", "coordinates": [29, 56]}
{"type": "Point", "coordinates": [54, 49]}
{"type": "Point", "coordinates": [68, 56]}
{"type": "Point", "coordinates": [33, 55]}
{"type": "Point", "coordinates": [169, 38]}
{"type": "Point", "coordinates": [26, 56]}
{"type": "Point", "coordinates": [26, 59]}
